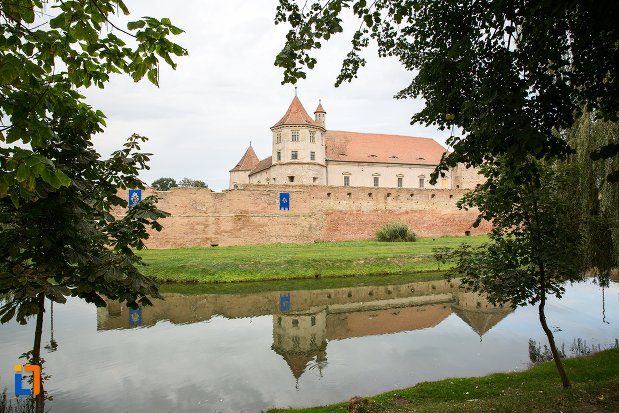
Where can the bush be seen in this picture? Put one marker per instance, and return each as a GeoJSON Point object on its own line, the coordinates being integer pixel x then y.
{"type": "Point", "coordinates": [395, 232]}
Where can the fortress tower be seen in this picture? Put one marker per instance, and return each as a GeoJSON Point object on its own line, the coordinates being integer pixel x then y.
{"type": "Point", "coordinates": [298, 148]}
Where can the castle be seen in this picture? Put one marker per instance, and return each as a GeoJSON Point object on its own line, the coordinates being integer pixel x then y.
{"type": "Point", "coordinates": [304, 152]}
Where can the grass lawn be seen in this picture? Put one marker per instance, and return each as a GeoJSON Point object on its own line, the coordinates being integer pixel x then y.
{"type": "Point", "coordinates": [297, 261]}
{"type": "Point", "coordinates": [595, 388]}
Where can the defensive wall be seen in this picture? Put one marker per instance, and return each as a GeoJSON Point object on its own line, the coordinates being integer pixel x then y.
{"type": "Point", "coordinates": [252, 215]}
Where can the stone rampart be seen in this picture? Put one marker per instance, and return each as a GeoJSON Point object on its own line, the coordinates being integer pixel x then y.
{"type": "Point", "coordinates": [251, 215]}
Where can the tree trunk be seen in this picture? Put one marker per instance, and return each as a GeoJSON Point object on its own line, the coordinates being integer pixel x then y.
{"type": "Point", "coordinates": [551, 339]}
{"type": "Point", "coordinates": [36, 353]}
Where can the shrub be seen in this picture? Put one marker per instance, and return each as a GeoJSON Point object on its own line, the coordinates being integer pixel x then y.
{"type": "Point", "coordinates": [395, 232]}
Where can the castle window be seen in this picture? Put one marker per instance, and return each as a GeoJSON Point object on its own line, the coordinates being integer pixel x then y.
{"type": "Point", "coordinates": [400, 182]}
{"type": "Point", "coordinates": [346, 180]}
{"type": "Point", "coordinates": [313, 320]}
{"type": "Point", "coordinates": [294, 155]}
{"type": "Point", "coordinates": [279, 156]}
{"type": "Point", "coordinates": [278, 138]}
{"type": "Point", "coordinates": [315, 179]}
{"type": "Point", "coordinates": [295, 136]}
{"type": "Point", "coordinates": [376, 181]}
{"type": "Point", "coordinates": [290, 178]}
{"type": "Point", "coordinates": [312, 156]}
{"type": "Point", "coordinates": [422, 182]}
{"type": "Point", "coordinates": [312, 136]}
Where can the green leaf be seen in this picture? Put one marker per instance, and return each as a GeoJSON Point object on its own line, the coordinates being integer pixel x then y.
{"type": "Point", "coordinates": [9, 70]}
{"type": "Point", "coordinates": [23, 173]}
{"type": "Point", "coordinates": [136, 25]}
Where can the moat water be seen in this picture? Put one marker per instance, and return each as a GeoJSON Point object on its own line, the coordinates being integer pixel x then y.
{"type": "Point", "coordinates": [250, 352]}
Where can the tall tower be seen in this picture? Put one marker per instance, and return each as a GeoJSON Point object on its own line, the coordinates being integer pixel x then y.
{"type": "Point", "coordinates": [298, 148]}
{"type": "Point", "coordinates": [319, 115]}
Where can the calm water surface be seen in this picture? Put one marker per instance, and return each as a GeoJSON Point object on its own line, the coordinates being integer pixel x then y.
{"type": "Point", "coordinates": [250, 352]}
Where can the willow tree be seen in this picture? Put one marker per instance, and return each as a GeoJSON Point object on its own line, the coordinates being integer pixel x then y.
{"type": "Point", "coordinates": [599, 196]}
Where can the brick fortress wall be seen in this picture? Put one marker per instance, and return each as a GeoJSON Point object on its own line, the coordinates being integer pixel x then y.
{"type": "Point", "coordinates": [251, 215]}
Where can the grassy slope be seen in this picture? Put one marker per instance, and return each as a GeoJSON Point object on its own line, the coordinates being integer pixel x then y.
{"type": "Point", "coordinates": [595, 388]}
{"type": "Point", "coordinates": [293, 261]}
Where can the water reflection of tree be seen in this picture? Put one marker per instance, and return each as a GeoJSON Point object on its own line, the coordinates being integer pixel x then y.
{"type": "Point", "coordinates": [53, 344]}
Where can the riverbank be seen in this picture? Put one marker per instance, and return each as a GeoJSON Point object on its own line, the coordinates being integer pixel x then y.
{"type": "Point", "coordinates": [595, 388]}
{"type": "Point", "coordinates": [298, 261]}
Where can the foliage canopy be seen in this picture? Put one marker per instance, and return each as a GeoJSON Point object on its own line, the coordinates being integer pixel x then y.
{"type": "Point", "coordinates": [503, 76]}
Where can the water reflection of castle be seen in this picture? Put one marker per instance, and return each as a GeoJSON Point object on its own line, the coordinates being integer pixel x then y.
{"type": "Point", "coordinates": [304, 322]}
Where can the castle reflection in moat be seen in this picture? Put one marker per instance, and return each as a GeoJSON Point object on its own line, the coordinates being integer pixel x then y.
{"type": "Point", "coordinates": [304, 322]}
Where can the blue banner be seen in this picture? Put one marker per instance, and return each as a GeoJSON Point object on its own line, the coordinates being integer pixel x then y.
{"type": "Point", "coordinates": [135, 196]}
{"type": "Point", "coordinates": [284, 302]}
{"type": "Point", "coordinates": [284, 200]}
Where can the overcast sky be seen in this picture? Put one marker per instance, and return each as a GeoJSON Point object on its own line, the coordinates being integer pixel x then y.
{"type": "Point", "coordinates": [227, 92]}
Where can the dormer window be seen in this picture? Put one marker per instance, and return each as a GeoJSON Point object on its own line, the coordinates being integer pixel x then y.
{"type": "Point", "coordinates": [295, 136]}
{"type": "Point", "coordinates": [372, 156]}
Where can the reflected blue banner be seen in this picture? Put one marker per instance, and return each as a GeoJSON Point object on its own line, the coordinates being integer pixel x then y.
{"type": "Point", "coordinates": [135, 317]}
{"type": "Point", "coordinates": [284, 302]}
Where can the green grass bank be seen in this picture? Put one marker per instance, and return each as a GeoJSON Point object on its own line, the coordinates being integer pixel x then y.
{"type": "Point", "coordinates": [595, 388]}
{"type": "Point", "coordinates": [297, 261]}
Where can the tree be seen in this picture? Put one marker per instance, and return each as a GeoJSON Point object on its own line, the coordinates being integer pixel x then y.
{"type": "Point", "coordinates": [191, 183]}
{"type": "Point", "coordinates": [507, 74]}
{"type": "Point", "coordinates": [164, 184]}
{"type": "Point", "coordinates": [535, 244]}
{"type": "Point", "coordinates": [57, 236]}
{"type": "Point", "coordinates": [67, 243]}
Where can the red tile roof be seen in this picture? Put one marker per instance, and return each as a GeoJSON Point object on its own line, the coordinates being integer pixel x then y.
{"type": "Point", "coordinates": [372, 147]}
{"type": "Point", "coordinates": [262, 165]}
{"type": "Point", "coordinates": [296, 115]}
{"type": "Point", "coordinates": [319, 109]}
{"type": "Point", "coordinates": [247, 162]}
